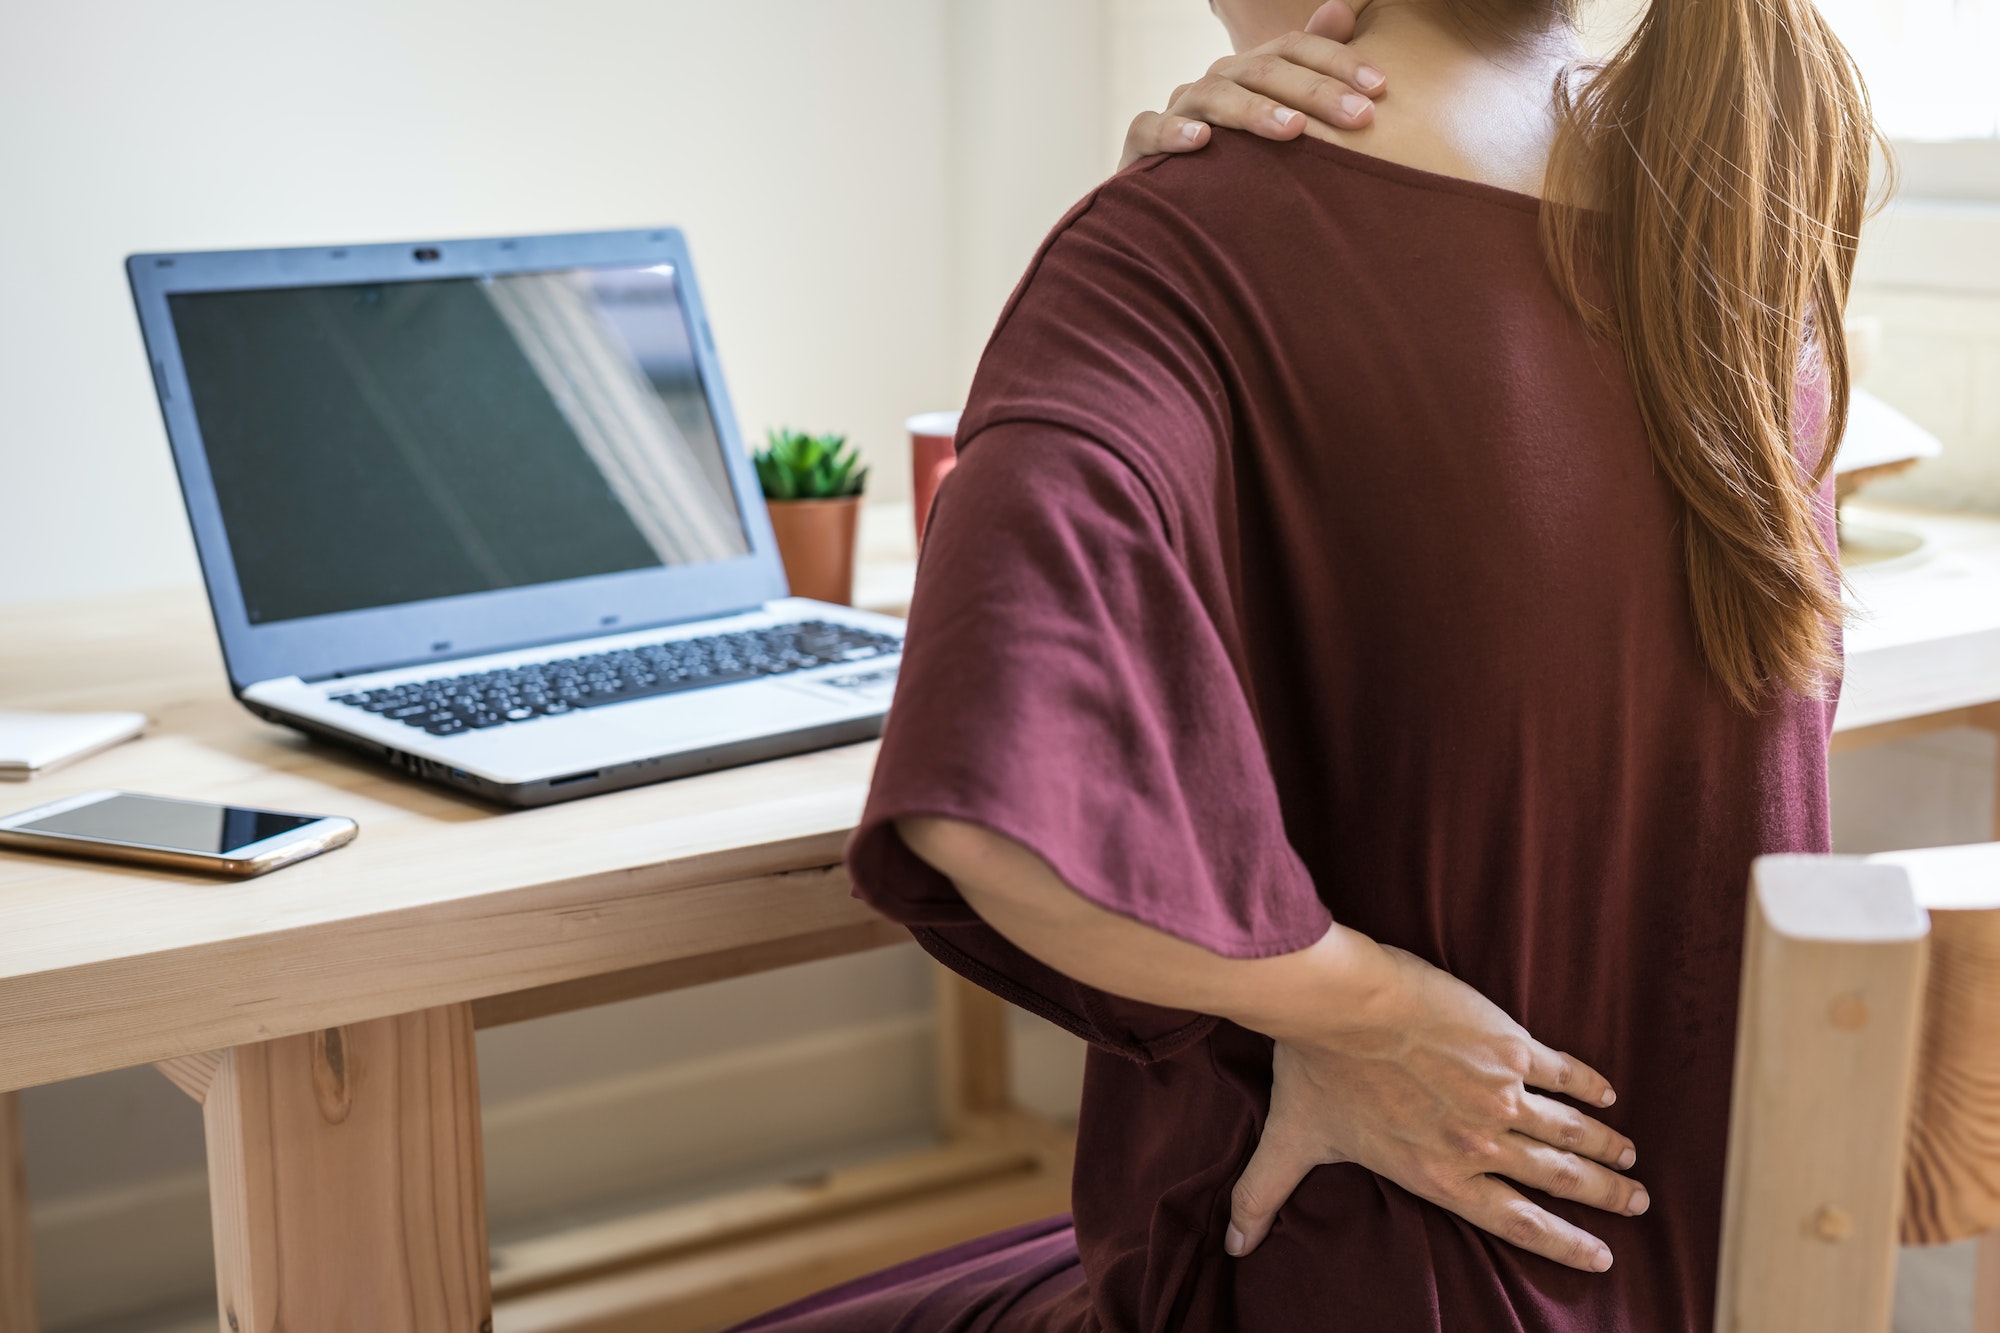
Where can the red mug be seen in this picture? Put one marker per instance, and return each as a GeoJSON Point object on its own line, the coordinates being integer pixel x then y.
{"type": "Point", "coordinates": [933, 454]}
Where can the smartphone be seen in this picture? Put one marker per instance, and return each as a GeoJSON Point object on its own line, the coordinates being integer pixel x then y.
{"type": "Point", "coordinates": [187, 835]}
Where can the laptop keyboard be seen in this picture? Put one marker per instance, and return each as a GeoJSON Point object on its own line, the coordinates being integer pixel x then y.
{"type": "Point", "coordinates": [545, 689]}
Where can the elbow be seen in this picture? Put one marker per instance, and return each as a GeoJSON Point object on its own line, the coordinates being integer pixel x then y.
{"type": "Point", "coordinates": [984, 865]}
{"type": "Point", "coordinates": [955, 849]}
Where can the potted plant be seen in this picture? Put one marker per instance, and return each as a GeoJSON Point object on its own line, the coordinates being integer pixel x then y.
{"type": "Point", "coordinates": [812, 485]}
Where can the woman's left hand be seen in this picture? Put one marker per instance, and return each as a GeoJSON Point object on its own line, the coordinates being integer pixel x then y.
{"type": "Point", "coordinates": [1270, 91]}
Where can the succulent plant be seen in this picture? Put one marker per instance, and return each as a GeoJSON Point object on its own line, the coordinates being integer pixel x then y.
{"type": "Point", "coordinates": [795, 466]}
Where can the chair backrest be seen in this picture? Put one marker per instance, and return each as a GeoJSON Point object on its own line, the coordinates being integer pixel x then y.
{"type": "Point", "coordinates": [1952, 1167]}
{"type": "Point", "coordinates": [1869, 1024]}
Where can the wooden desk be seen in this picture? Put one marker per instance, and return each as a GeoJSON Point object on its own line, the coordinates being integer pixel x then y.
{"type": "Point", "coordinates": [324, 1015]}
{"type": "Point", "coordinates": [1923, 643]}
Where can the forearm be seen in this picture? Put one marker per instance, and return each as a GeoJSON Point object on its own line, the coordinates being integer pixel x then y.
{"type": "Point", "coordinates": [1019, 895]}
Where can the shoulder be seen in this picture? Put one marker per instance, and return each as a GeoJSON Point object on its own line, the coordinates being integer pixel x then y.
{"type": "Point", "coordinates": [1141, 248]}
{"type": "Point", "coordinates": [1238, 217]}
{"type": "Point", "coordinates": [1216, 192]}
{"type": "Point", "coordinates": [1118, 340]}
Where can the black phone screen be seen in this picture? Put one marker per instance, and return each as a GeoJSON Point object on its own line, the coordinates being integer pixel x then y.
{"type": "Point", "coordinates": [180, 826]}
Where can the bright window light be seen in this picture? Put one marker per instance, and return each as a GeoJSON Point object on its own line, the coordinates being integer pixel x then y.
{"type": "Point", "coordinates": [1933, 66]}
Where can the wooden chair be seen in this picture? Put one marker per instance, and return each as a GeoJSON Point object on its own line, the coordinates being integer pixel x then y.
{"type": "Point", "coordinates": [1867, 1097]}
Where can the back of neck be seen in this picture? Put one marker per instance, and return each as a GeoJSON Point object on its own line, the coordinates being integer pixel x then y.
{"type": "Point", "coordinates": [1459, 103]}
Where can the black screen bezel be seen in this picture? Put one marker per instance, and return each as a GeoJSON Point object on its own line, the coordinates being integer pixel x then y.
{"type": "Point", "coordinates": [352, 642]}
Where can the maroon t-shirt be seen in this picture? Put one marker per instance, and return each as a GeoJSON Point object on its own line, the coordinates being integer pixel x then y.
{"type": "Point", "coordinates": [1306, 561]}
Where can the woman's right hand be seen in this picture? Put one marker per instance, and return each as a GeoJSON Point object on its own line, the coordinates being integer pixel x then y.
{"type": "Point", "coordinates": [1433, 1092]}
{"type": "Point", "coordinates": [1269, 91]}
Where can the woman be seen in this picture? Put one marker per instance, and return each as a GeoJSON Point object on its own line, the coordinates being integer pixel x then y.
{"type": "Point", "coordinates": [1336, 722]}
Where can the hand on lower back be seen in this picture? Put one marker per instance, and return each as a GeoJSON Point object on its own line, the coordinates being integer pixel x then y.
{"type": "Point", "coordinates": [1381, 1059]}
{"type": "Point", "coordinates": [1436, 1094]}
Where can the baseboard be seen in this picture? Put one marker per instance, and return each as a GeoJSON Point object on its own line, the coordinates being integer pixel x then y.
{"type": "Point", "coordinates": [583, 1148]}
{"type": "Point", "coordinates": [112, 1251]}
{"type": "Point", "coordinates": [579, 1151]}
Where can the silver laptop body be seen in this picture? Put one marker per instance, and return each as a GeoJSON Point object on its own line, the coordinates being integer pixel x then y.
{"type": "Point", "coordinates": [480, 509]}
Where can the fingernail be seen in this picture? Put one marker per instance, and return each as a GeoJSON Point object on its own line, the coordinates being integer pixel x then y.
{"type": "Point", "coordinates": [1608, 1098]}
{"type": "Point", "coordinates": [1284, 118]}
{"type": "Point", "coordinates": [1626, 1158]}
{"type": "Point", "coordinates": [1190, 132]}
{"type": "Point", "coordinates": [1641, 1201]}
{"type": "Point", "coordinates": [1354, 104]}
{"type": "Point", "coordinates": [1368, 78]}
{"type": "Point", "coordinates": [1600, 1261]}
{"type": "Point", "coordinates": [1233, 1243]}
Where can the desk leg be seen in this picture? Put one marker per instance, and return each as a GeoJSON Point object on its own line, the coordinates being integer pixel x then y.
{"type": "Point", "coordinates": [346, 1180]}
{"type": "Point", "coordinates": [974, 1084]}
{"type": "Point", "coordinates": [17, 1246]}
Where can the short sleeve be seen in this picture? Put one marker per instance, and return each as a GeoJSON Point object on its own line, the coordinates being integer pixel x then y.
{"type": "Point", "coordinates": [1065, 685]}
{"type": "Point", "coordinates": [1074, 672]}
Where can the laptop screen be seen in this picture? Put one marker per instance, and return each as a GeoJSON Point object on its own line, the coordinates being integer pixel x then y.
{"type": "Point", "coordinates": [384, 443]}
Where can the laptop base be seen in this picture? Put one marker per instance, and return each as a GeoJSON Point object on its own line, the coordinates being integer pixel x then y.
{"type": "Point", "coordinates": [616, 777]}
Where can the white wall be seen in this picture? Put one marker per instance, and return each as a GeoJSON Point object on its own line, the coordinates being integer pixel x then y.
{"type": "Point", "coordinates": [1042, 93]}
{"type": "Point", "coordinates": [1027, 107]}
{"type": "Point", "coordinates": [802, 143]}
{"type": "Point", "coordinates": [1930, 271]}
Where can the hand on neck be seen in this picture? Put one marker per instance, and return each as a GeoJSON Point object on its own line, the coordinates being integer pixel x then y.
{"type": "Point", "coordinates": [1468, 99]}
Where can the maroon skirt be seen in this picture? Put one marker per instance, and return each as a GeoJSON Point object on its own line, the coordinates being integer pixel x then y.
{"type": "Point", "coordinates": [1004, 1283]}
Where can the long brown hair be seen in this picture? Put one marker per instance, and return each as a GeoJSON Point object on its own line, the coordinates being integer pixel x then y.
{"type": "Point", "coordinates": [1723, 153]}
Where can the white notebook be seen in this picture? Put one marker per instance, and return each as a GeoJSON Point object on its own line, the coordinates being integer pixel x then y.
{"type": "Point", "coordinates": [32, 743]}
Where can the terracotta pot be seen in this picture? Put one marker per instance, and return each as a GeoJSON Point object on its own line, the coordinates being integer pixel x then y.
{"type": "Point", "coordinates": [816, 542]}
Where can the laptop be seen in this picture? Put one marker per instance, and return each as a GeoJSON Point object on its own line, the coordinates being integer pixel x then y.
{"type": "Point", "coordinates": [480, 509]}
